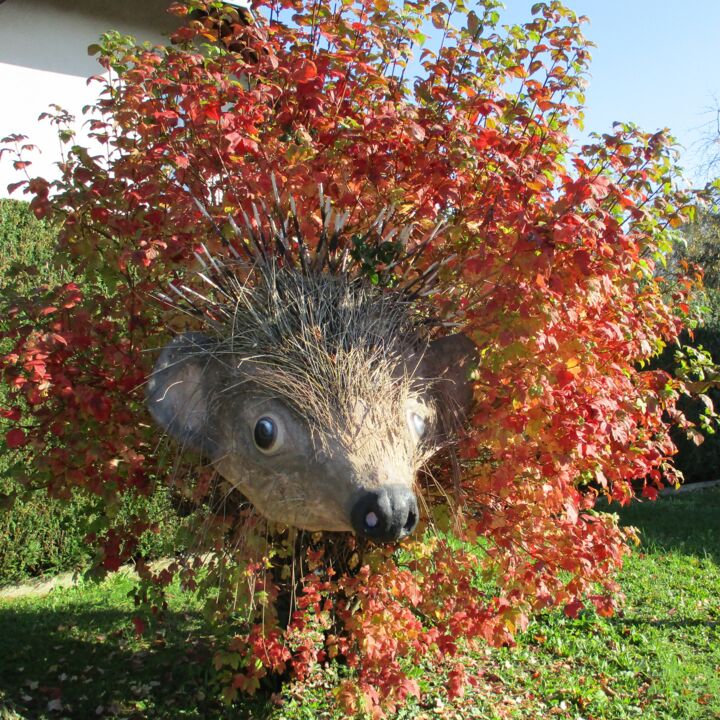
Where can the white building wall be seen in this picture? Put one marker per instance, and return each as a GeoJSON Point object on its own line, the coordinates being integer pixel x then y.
{"type": "Point", "coordinates": [44, 60]}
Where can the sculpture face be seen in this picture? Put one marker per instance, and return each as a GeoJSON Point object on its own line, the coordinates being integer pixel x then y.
{"type": "Point", "coordinates": [326, 435]}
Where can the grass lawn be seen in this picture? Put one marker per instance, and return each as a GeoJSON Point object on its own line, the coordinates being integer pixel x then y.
{"type": "Point", "coordinates": [74, 654]}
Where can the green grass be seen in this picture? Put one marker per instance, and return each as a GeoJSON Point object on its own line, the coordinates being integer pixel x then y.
{"type": "Point", "coordinates": [659, 658]}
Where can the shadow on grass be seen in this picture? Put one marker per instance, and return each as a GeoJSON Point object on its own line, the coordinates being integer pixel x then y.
{"type": "Point", "coordinates": [665, 623]}
{"type": "Point", "coordinates": [85, 662]}
{"type": "Point", "coordinates": [688, 522]}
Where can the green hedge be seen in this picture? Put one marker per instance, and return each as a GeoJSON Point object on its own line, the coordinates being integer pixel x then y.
{"type": "Point", "coordinates": [26, 240]}
{"type": "Point", "coordinates": [40, 535]}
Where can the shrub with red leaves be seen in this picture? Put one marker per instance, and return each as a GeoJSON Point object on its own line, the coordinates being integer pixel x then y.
{"type": "Point", "coordinates": [552, 263]}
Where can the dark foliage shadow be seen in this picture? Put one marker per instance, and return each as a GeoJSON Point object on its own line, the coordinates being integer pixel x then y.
{"type": "Point", "coordinates": [664, 623]}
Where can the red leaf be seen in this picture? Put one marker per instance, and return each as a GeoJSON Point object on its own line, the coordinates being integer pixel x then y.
{"type": "Point", "coordinates": [564, 376]}
{"type": "Point", "coordinates": [15, 438]}
{"type": "Point", "coordinates": [305, 72]}
{"type": "Point", "coordinates": [417, 131]}
{"type": "Point", "coordinates": [572, 609]}
{"type": "Point", "coordinates": [112, 563]}
{"type": "Point", "coordinates": [649, 492]}
{"type": "Point", "coordinates": [139, 624]}
{"type": "Point", "coordinates": [12, 187]}
{"type": "Point", "coordinates": [13, 414]}
{"type": "Point", "coordinates": [457, 681]}
{"type": "Point", "coordinates": [213, 111]}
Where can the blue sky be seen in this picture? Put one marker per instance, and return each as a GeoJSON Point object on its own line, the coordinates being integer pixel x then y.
{"type": "Point", "coordinates": [657, 64]}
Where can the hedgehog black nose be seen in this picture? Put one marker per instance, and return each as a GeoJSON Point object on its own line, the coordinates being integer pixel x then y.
{"type": "Point", "coordinates": [386, 515]}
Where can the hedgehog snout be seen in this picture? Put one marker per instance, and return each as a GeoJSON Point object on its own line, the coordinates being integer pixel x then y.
{"type": "Point", "coordinates": [386, 515]}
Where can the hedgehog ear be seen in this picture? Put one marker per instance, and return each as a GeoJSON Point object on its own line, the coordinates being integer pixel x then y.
{"type": "Point", "coordinates": [179, 390]}
{"type": "Point", "coordinates": [447, 363]}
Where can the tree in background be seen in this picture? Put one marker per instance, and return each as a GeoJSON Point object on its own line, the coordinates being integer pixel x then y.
{"type": "Point", "coordinates": [698, 354]}
{"type": "Point", "coordinates": [710, 143]}
{"type": "Point", "coordinates": [702, 246]}
{"type": "Point", "coordinates": [551, 260]}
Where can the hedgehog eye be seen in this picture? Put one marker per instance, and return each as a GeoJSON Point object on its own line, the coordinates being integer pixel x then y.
{"type": "Point", "coordinates": [417, 424]}
{"type": "Point", "coordinates": [266, 434]}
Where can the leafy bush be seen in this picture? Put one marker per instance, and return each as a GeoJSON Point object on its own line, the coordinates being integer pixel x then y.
{"type": "Point", "coordinates": [39, 534]}
{"type": "Point", "coordinates": [549, 261]}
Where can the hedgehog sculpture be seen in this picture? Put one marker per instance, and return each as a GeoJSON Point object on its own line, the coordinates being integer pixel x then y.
{"type": "Point", "coordinates": [312, 391]}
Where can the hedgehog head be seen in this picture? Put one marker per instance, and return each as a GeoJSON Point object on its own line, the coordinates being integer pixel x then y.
{"type": "Point", "coordinates": [319, 400]}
